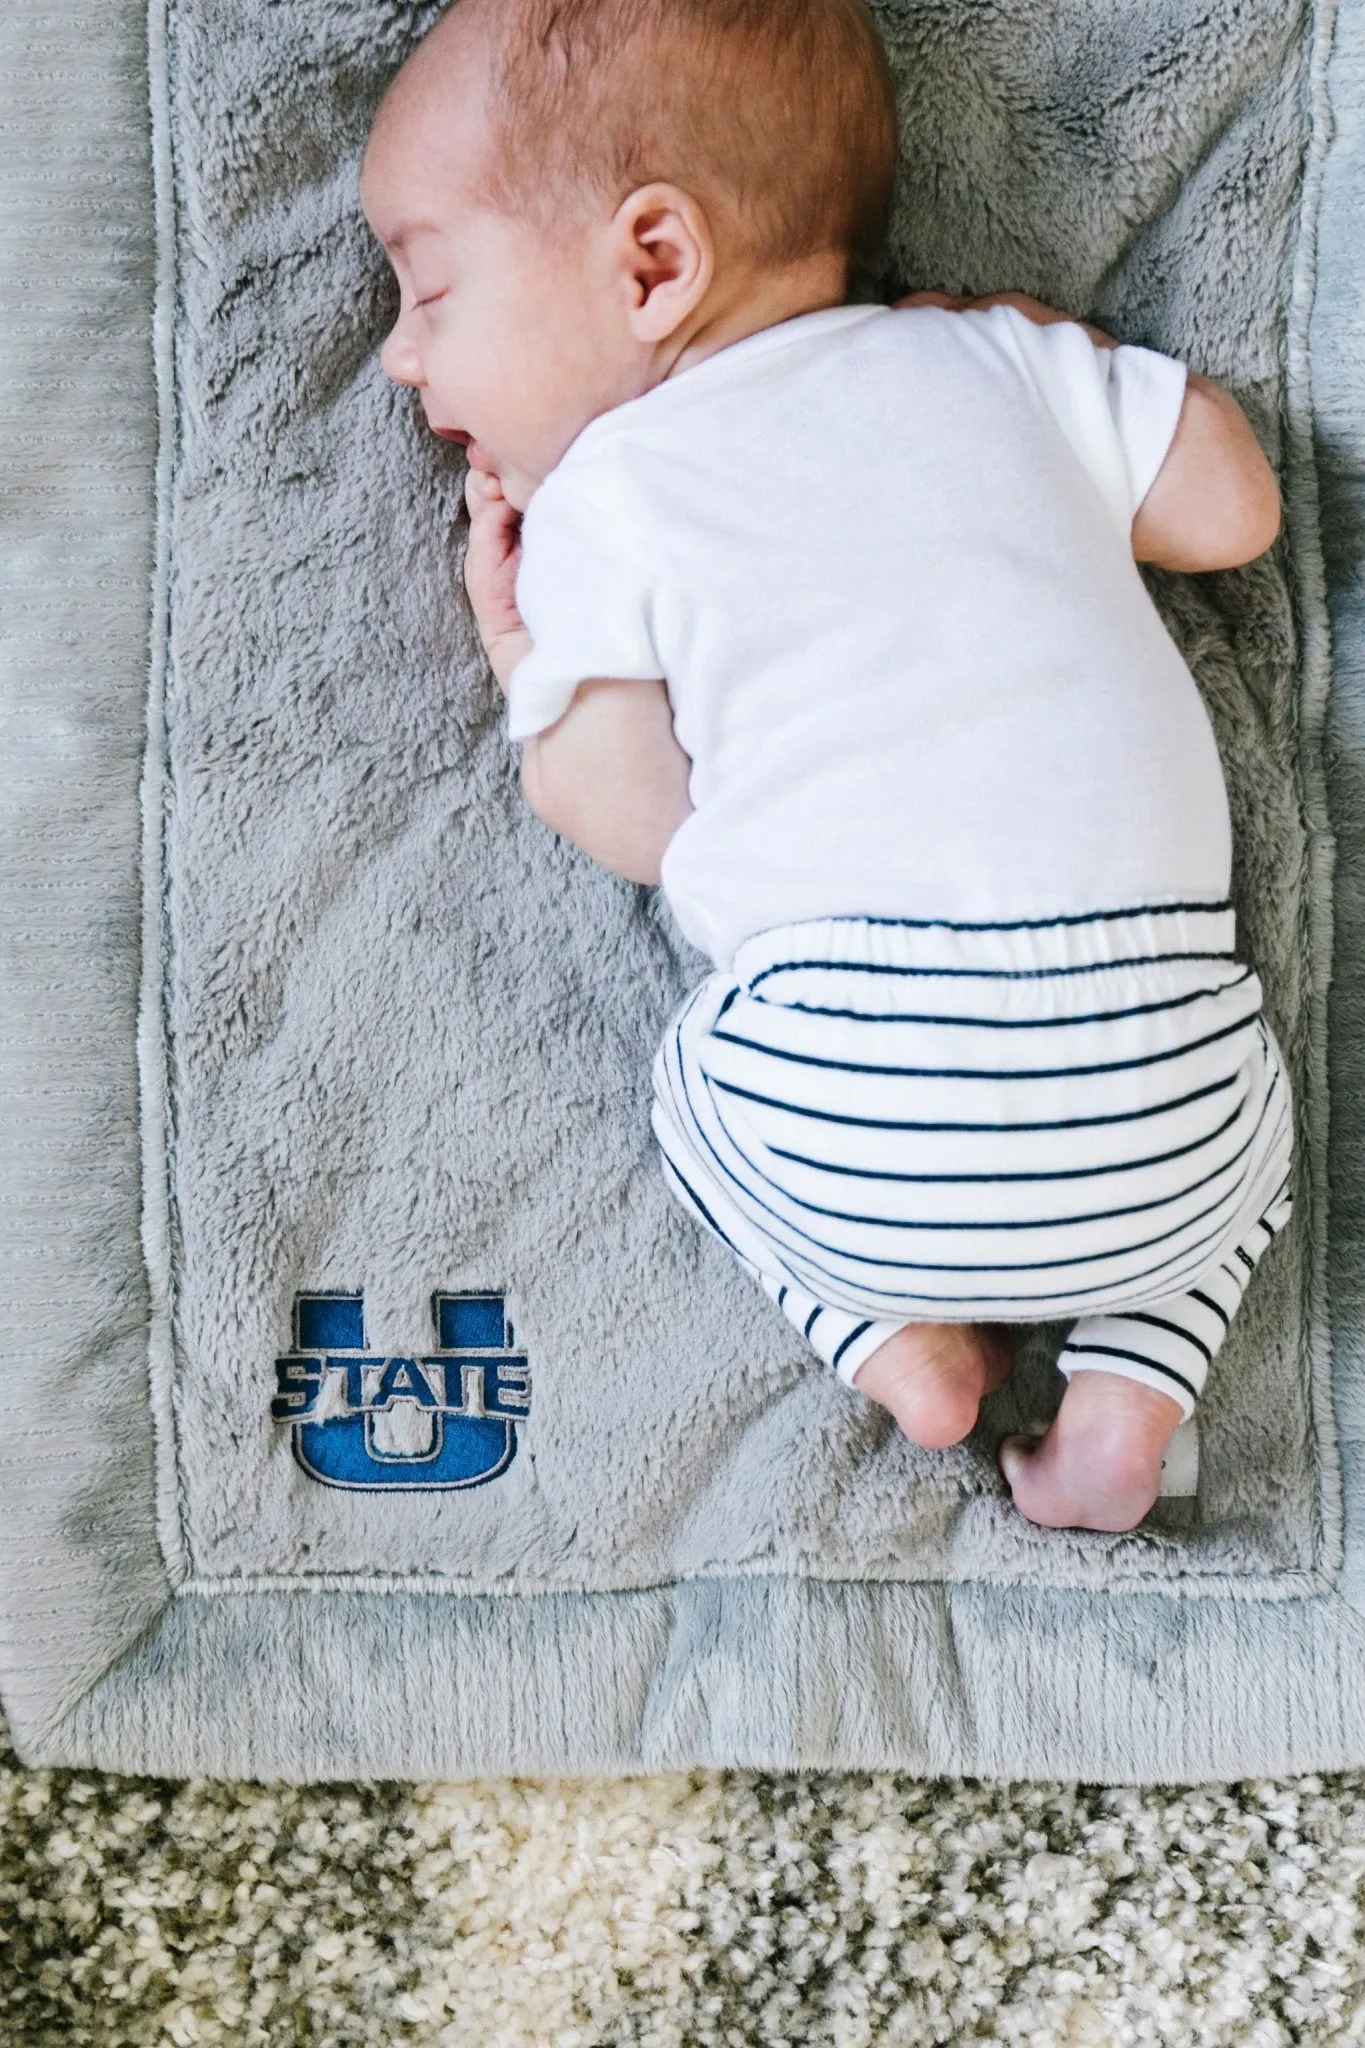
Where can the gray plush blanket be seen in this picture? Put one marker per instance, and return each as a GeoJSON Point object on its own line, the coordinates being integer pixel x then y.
{"type": "Point", "coordinates": [380, 1412]}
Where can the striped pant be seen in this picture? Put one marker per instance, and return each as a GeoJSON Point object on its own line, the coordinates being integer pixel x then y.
{"type": "Point", "coordinates": [891, 1120]}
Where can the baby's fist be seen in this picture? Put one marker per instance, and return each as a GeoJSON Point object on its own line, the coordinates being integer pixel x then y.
{"type": "Point", "coordinates": [490, 572]}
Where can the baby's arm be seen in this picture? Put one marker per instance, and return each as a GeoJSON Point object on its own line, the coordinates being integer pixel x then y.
{"type": "Point", "coordinates": [609, 774]}
{"type": "Point", "coordinates": [1215, 503]}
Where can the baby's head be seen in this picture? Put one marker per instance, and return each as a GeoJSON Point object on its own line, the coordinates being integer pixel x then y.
{"type": "Point", "coordinates": [582, 197]}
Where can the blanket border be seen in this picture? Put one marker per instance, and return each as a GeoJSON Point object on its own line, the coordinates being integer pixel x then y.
{"type": "Point", "coordinates": [154, 1094]}
{"type": "Point", "coordinates": [1315, 643]}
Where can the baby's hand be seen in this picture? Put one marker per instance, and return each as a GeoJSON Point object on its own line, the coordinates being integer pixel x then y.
{"type": "Point", "coordinates": [490, 572]}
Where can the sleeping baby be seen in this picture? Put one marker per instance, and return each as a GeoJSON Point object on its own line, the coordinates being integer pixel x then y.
{"type": "Point", "coordinates": [825, 615]}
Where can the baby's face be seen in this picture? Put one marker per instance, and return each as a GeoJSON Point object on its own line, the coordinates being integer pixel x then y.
{"type": "Point", "coordinates": [509, 341]}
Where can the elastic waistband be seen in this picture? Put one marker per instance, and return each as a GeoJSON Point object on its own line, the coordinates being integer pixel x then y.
{"type": "Point", "coordinates": [1025, 946]}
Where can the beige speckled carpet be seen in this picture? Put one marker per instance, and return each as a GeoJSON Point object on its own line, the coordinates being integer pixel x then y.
{"type": "Point", "coordinates": [701, 1910]}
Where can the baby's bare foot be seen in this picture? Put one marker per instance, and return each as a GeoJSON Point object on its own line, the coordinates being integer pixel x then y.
{"type": "Point", "coordinates": [1099, 1465]}
{"type": "Point", "coordinates": [932, 1377]}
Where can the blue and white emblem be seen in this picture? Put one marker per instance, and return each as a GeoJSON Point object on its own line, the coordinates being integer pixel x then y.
{"type": "Point", "coordinates": [446, 1419]}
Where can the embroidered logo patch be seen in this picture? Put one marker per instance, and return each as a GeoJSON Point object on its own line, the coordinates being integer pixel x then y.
{"type": "Point", "coordinates": [444, 1420]}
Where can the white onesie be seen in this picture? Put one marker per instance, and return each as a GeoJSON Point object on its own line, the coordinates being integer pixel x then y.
{"type": "Point", "coordinates": [977, 1044]}
{"type": "Point", "coordinates": [883, 559]}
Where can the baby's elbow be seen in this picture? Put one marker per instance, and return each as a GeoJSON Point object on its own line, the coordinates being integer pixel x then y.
{"type": "Point", "coordinates": [1244, 536]}
{"type": "Point", "coordinates": [1246, 491]}
{"type": "Point", "coordinates": [1243, 501]}
{"type": "Point", "coordinates": [1215, 503]}
{"type": "Point", "coordinates": [1263, 518]}
{"type": "Point", "coordinates": [636, 864]}
{"type": "Point", "coordinates": [1224, 520]}
{"type": "Point", "coordinates": [1245, 518]}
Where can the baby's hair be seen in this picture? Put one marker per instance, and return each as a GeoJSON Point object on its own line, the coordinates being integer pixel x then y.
{"type": "Point", "coordinates": [779, 116]}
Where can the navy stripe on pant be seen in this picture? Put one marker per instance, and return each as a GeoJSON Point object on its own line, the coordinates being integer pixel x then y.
{"type": "Point", "coordinates": [899, 1120]}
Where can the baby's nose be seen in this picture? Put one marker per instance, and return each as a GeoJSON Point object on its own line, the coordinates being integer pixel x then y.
{"type": "Point", "coordinates": [398, 359]}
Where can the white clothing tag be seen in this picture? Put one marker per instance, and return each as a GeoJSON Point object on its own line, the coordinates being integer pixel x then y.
{"type": "Point", "coordinates": [1180, 1466]}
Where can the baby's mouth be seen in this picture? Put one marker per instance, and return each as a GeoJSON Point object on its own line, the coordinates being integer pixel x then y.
{"type": "Point", "coordinates": [479, 458]}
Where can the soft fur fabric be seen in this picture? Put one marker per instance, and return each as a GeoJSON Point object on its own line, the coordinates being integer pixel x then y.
{"type": "Point", "coordinates": [410, 1030]}
{"type": "Point", "coordinates": [395, 1037]}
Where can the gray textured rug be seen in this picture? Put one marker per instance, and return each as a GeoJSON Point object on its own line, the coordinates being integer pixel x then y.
{"type": "Point", "coordinates": [392, 1039]}
{"type": "Point", "coordinates": [686, 1910]}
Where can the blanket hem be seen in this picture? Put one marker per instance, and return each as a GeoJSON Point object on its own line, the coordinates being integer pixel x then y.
{"type": "Point", "coordinates": [154, 1097]}
{"type": "Point", "coordinates": [771, 1675]}
{"type": "Point", "coordinates": [1310, 580]}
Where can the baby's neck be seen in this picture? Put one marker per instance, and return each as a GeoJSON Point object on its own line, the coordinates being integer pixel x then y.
{"type": "Point", "coordinates": [805, 287]}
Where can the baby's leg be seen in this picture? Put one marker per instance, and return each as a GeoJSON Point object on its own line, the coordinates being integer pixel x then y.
{"type": "Point", "coordinates": [1171, 1345]}
{"type": "Point", "coordinates": [931, 1376]}
{"type": "Point", "coordinates": [1134, 1377]}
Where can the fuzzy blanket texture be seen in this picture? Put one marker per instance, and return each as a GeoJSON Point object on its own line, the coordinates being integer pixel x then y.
{"type": "Point", "coordinates": [328, 1051]}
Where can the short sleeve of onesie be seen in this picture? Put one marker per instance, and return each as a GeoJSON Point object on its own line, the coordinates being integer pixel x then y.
{"type": "Point", "coordinates": [1119, 407]}
{"type": "Point", "coordinates": [584, 591]}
